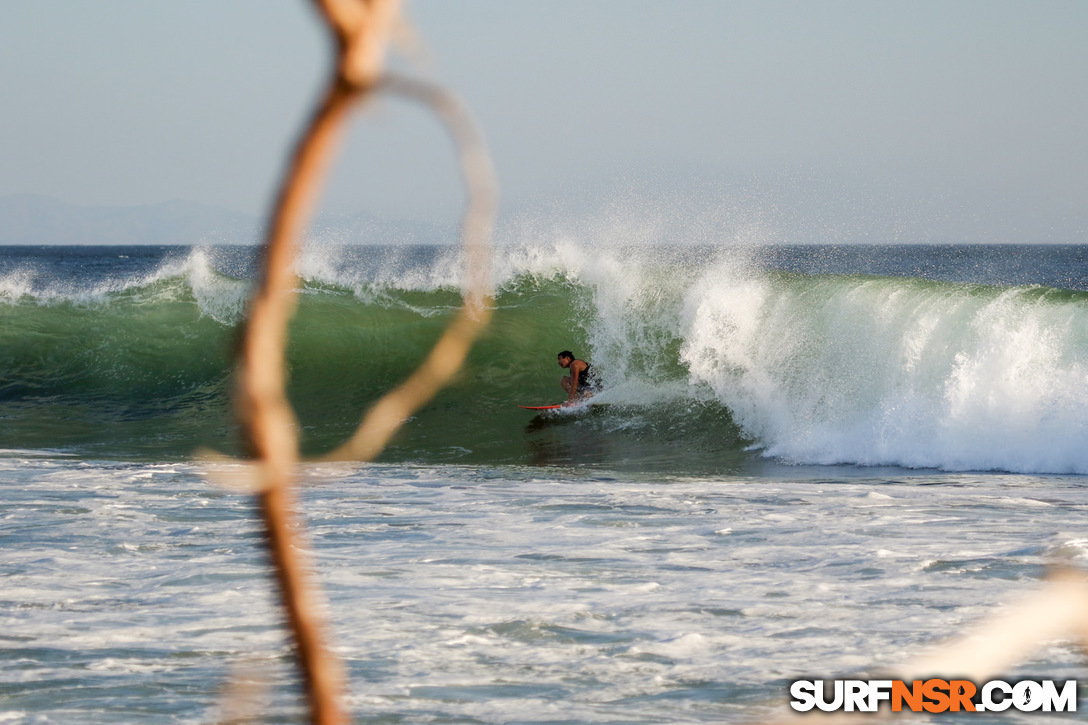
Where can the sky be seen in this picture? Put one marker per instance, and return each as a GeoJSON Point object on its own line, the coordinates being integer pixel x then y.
{"type": "Point", "coordinates": [838, 121]}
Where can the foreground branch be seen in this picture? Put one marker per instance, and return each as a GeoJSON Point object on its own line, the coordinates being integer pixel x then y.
{"type": "Point", "coordinates": [361, 29]}
{"type": "Point", "coordinates": [266, 418]}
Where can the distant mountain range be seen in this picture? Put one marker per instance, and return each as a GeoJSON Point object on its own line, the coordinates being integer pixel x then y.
{"type": "Point", "coordinates": [33, 219]}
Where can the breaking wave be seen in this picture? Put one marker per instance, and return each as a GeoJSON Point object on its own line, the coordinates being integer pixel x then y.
{"type": "Point", "coordinates": [707, 355]}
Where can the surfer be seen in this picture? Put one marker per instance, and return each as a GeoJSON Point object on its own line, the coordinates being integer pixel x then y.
{"type": "Point", "coordinates": [582, 381]}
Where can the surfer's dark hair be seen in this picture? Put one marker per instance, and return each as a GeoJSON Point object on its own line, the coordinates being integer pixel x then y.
{"type": "Point", "coordinates": [566, 353]}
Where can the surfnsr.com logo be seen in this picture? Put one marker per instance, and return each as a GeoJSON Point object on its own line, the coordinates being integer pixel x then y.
{"type": "Point", "coordinates": [934, 695]}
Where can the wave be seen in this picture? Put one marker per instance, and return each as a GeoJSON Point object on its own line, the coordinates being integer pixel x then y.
{"type": "Point", "coordinates": [883, 371]}
{"type": "Point", "coordinates": [708, 358]}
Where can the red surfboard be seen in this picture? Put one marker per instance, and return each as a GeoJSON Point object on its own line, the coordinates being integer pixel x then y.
{"type": "Point", "coordinates": [540, 407]}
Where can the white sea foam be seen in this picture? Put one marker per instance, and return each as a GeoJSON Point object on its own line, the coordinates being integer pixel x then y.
{"type": "Point", "coordinates": [218, 296]}
{"type": "Point", "coordinates": [829, 369]}
{"type": "Point", "coordinates": [16, 285]}
{"type": "Point", "coordinates": [894, 372]}
{"type": "Point", "coordinates": [499, 594]}
{"type": "Point", "coordinates": [368, 271]}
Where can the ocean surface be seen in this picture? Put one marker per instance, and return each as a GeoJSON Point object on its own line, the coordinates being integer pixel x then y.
{"type": "Point", "coordinates": [808, 462]}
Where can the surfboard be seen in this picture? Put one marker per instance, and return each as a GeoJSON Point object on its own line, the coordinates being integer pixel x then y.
{"type": "Point", "coordinates": [578, 405]}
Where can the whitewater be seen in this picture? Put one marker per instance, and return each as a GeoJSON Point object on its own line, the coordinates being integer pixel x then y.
{"type": "Point", "coordinates": [810, 461]}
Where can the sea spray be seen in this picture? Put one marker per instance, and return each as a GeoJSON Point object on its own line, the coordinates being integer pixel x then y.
{"type": "Point", "coordinates": [15, 285]}
{"type": "Point", "coordinates": [880, 371]}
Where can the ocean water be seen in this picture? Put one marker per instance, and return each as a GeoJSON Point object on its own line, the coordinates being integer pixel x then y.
{"type": "Point", "coordinates": [811, 462]}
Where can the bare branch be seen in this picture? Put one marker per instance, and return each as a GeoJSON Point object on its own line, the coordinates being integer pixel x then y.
{"type": "Point", "coordinates": [362, 29]}
{"type": "Point", "coordinates": [1058, 610]}
{"type": "Point", "coordinates": [449, 353]}
{"type": "Point", "coordinates": [265, 415]}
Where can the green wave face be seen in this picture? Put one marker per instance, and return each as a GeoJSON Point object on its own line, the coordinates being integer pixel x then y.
{"type": "Point", "coordinates": [146, 372]}
{"type": "Point", "coordinates": [708, 362]}
{"type": "Point", "coordinates": [130, 374]}
{"type": "Point", "coordinates": [345, 355]}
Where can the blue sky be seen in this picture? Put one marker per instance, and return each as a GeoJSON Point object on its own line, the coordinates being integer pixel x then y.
{"type": "Point", "coordinates": [827, 121]}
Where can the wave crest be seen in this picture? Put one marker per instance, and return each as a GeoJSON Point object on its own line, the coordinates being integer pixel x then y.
{"type": "Point", "coordinates": [904, 372]}
{"type": "Point", "coordinates": [701, 349]}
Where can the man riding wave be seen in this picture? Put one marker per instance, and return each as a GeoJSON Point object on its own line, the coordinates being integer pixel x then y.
{"type": "Point", "coordinates": [582, 382]}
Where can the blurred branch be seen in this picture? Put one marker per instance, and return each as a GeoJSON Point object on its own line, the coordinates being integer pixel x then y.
{"type": "Point", "coordinates": [362, 30]}
{"type": "Point", "coordinates": [265, 415]}
{"type": "Point", "coordinates": [240, 701]}
{"type": "Point", "coordinates": [449, 353]}
{"type": "Point", "coordinates": [267, 421]}
{"type": "Point", "coordinates": [1058, 610]}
